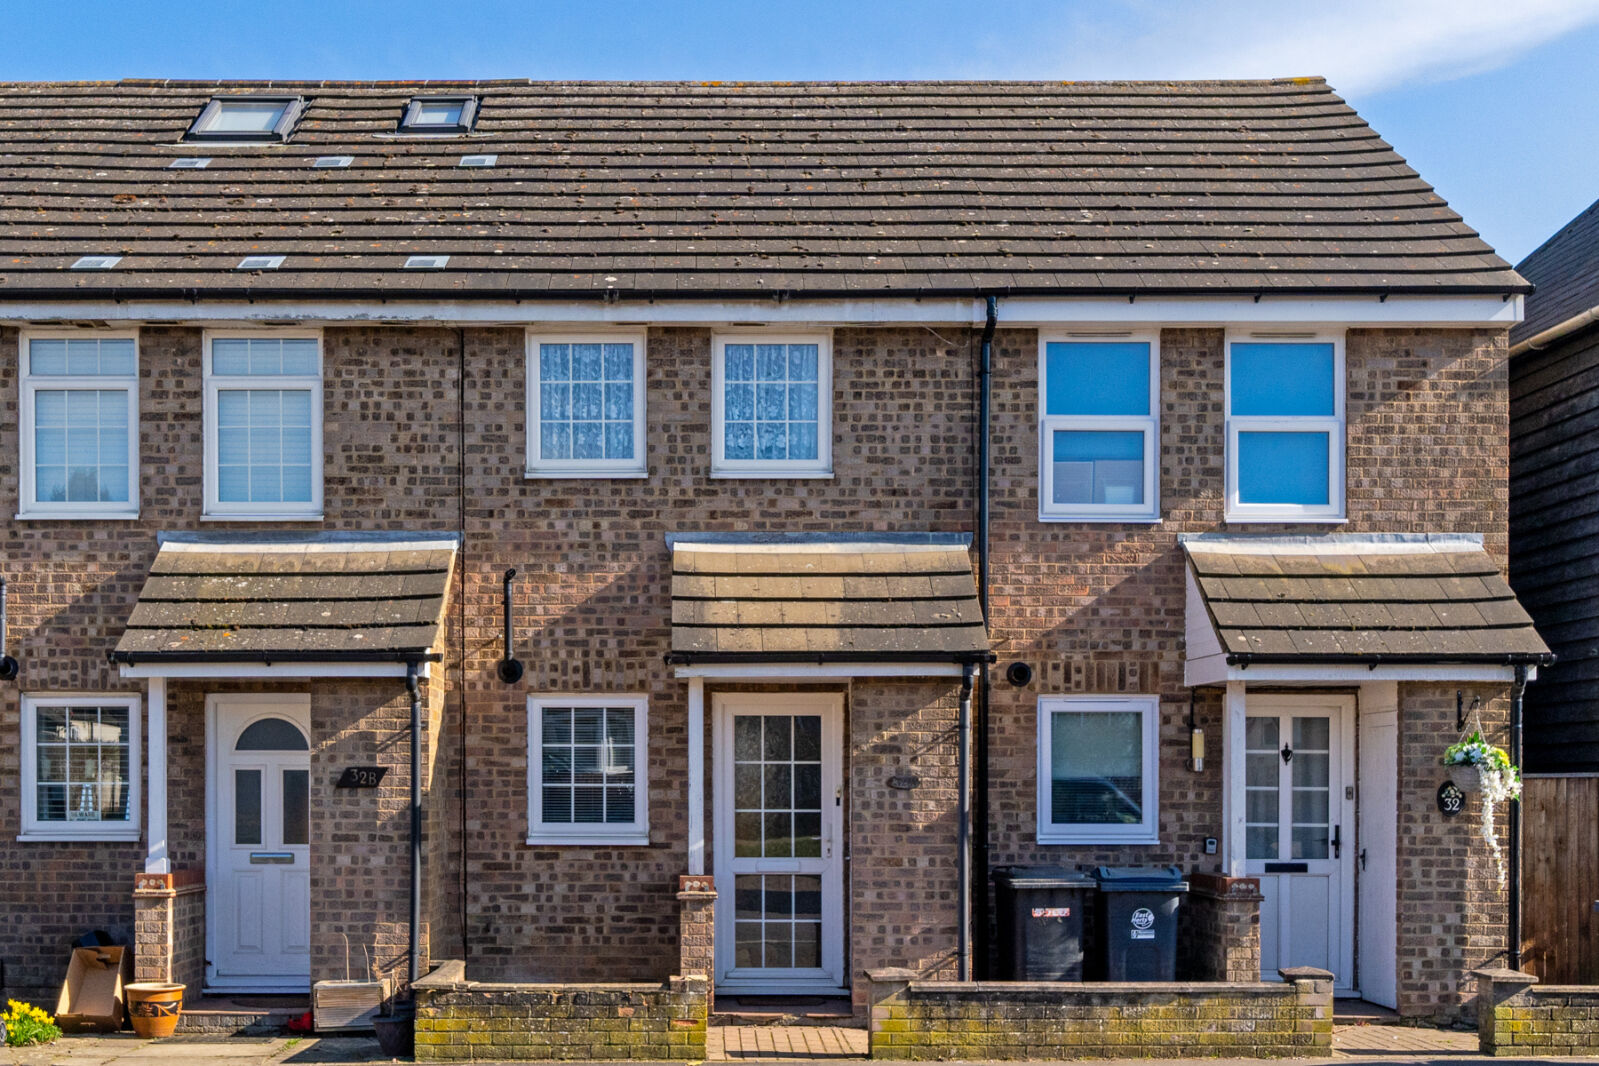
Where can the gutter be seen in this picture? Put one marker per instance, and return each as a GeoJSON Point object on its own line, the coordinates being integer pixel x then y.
{"type": "Point", "coordinates": [823, 658]}
{"type": "Point", "coordinates": [1539, 341]}
{"type": "Point", "coordinates": [1246, 659]}
{"type": "Point", "coordinates": [133, 658]}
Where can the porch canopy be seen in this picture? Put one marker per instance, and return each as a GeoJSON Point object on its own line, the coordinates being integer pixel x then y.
{"type": "Point", "coordinates": [277, 600]}
{"type": "Point", "coordinates": [871, 598]}
{"type": "Point", "coordinates": [1390, 606]}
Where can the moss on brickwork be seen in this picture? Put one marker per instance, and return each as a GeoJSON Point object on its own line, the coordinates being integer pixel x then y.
{"type": "Point", "coordinates": [1516, 1018]}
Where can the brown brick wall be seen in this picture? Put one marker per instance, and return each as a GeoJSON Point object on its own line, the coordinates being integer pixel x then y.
{"type": "Point", "coordinates": [1517, 1017]}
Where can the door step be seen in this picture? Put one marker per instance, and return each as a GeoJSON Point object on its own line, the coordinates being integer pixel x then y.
{"type": "Point", "coordinates": [215, 1015]}
{"type": "Point", "coordinates": [782, 1010]}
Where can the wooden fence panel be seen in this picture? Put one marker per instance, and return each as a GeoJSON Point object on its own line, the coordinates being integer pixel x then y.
{"type": "Point", "coordinates": [1560, 872]}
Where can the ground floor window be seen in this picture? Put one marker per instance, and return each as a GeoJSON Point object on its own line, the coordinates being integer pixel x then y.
{"type": "Point", "coordinates": [80, 767]}
{"type": "Point", "coordinates": [586, 770]}
{"type": "Point", "coordinates": [1097, 769]}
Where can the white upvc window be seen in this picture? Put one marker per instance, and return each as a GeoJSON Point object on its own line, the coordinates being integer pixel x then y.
{"type": "Point", "coordinates": [585, 405]}
{"type": "Point", "coordinates": [1098, 769]}
{"type": "Point", "coordinates": [80, 767]}
{"type": "Point", "coordinates": [586, 769]}
{"type": "Point", "coordinates": [79, 432]}
{"type": "Point", "coordinates": [1099, 429]}
{"type": "Point", "coordinates": [1285, 428]}
{"type": "Point", "coordinates": [772, 406]}
{"type": "Point", "coordinates": [263, 426]}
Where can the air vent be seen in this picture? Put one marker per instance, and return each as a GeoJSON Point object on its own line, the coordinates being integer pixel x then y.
{"type": "Point", "coordinates": [260, 262]}
{"type": "Point", "coordinates": [97, 262]}
{"type": "Point", "coordinates": [479, 160]}
{"type": "Point", "coordinates": [328, 162]}
{"type": "Point", "coordinates": [427, 262]}
{"type": "Point", "coordinates": [193, 162]}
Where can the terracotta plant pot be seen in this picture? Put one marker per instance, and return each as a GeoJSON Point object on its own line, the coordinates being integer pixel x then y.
{"type": "Point", "coordinates": [154, 1007]}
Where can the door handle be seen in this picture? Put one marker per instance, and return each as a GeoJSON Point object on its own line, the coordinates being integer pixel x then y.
{"type": "Point", "coordinates": [1362, 858]}
{"type": "Point", "coordinates": [1338, 841]}
{"type": "Point", "coordinates": [261, 858]}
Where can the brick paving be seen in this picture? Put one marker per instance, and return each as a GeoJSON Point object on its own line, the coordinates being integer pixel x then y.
{"type": "Point", "coordinates": [786, 1042]}
{"type": "Point", "coordinates": [1367, 1040]}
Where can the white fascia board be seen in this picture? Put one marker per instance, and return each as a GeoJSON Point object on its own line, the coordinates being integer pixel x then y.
{"type": "Point", "coordinates": [278, 671]}
{"type": "Point", "coordinates": [815, 671]}
{"type": "Point", "coordinates": [1214, 672]}
{"type": "Point", "coordinates": [1087, 312]}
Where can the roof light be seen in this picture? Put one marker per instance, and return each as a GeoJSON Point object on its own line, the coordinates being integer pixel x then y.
{"type": "Point", "coordinates": [247, 118]}
{"type": "Point", "coordinates": [260, 262]}
{"type": "Point", "coordinates": [324, 162]}
{"type": "Point", "coordinates": [479, 160]}
{"type": "Point", "coordinates": [96, 262]}
{"type": "Point", "coordinates": [192, 162]}
{"type": "Point", "coordinates": [439, 114]}
{"type": "Point", "coordinates": [427, 262]}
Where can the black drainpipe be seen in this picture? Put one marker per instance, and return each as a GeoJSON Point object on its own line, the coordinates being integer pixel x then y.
{"type": "Point", "coordinates": [963, 843]}
{"type": "Point", "coordinates": [1516, 693]}
{"type": "Point", "coordinates": [984, 420]}
{"type": "Point", "coordinates": [415, 933]}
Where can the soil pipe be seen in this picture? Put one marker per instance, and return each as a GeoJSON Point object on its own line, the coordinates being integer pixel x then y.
{"type": "Point", "coordinates": [978, 880]}
{"type": "Point", "coordinates": [1517, 691]}
{"type": "Point", "coordinates": [963, 819]}
{"type": "Point", "coordinates": [413, 935]}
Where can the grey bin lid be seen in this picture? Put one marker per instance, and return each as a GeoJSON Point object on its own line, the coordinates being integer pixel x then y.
{"type": "Point", "coordinates": [1042, 877]}
{"type": "Point", "coordinates": [1140, 879]}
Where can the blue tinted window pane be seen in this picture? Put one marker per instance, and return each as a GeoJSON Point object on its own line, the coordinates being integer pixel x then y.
{"type": "Point", "coordinates": [586, 362]}
{"type": "Point", "coordinates": [555, 440]}
{"type": "Point", "coordinates": [803, 361]}
{"type": "Point", "coordinates": [777, 417]}
{"type": "Point", "coordinates": [1283, 468]}
{"type": "Point", "coordinates": [771, 440]}
{"type": "Point", "coordinates": [740, 402]}
{"type": "Point", "coordinates": [555, 362]}
{"type": "Point", "coordinates": [801, 440]}
{"type": "Point", "coordinates": [1283, 380]}
{"type": "Point", "coordinates": [47, 357]}
{"type": "Point", "coordinates": [588, 442]}
{"type": "Point", "coordinates": [740, 362]}
{"type": "Point", "coordinates": [585, 401]}
{"type": "Point", "coordinates": [1097, 378]}
{"type": "Point", "coordinates": [619, 440]}
{"type": "Point", "coordinates": [771, 362]}
{"type": "Point", "coordinates": [1098, 467]}
{"type": "Point", "coordinates": [740, 442]}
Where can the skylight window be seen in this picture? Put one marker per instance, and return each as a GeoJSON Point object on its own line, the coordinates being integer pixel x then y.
{"type": "Point", "coordinates": [479, 160]}
{"type": "Point", "coordinates": [325, 162]}
{"type": "Point", "coordinates": [247, 118]}
{"type": "Point", "coordinates": [97, 262]}
{"type": "Point", "coordinates": [427, 262]}
{"type": "Point", "coordinates": [439, 114]}
{"type": "Point", "coordinates": [189, 163]}
{"type": "Point", "coordinates": [260, 262]}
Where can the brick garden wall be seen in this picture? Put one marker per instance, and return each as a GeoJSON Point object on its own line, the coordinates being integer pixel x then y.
{"type": "Point", "coordinates": [465, 1021]}
{"type": "Point", "coordinates": [993, 1021]}
{"type": "Point", "coordinates": [1516, 1017]}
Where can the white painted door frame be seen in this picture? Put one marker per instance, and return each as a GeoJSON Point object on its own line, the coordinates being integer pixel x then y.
{"type": "Point", "coordinates": [226, 717]}
{"type": "Point", "coordinates": [1377, 821]}
{"type": "Point", "coordinates": [830, 706]}
{"type": "Point", "coordinates": [1341, 709]}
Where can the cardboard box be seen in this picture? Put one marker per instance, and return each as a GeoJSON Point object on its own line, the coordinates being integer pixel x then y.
{"type": "Point", "coordinates": [91, 996]}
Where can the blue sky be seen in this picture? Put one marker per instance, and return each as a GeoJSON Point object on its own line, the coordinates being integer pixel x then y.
{"type": "Point", "coordinates": [1494, 101]}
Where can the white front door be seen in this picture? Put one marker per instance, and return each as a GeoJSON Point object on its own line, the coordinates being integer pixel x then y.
{"type": "Point", "coordinates": [258, 905]}
{"type": "Point", "coordinates": [1299, 835]}
{"type": "Point", "coordinates": [779, 842]}
{"type": "Point", "coordinates": [1378, 857]}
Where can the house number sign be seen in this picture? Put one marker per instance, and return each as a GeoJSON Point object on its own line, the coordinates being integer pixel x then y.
{"type": "Point", "coordinates": [1450, 799]}
{"type": "Point", "coordinates": [361, 776]}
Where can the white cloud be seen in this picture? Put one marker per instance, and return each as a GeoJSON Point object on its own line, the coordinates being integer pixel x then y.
{"type": "Point", "coordinates": [1360, 46]}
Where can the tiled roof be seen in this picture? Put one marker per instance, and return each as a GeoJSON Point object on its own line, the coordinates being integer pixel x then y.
{"type": "Point", "coordinates": [1444, 606]}
{"type": "Point", "coordinates": [738, 188]}
{"type": "Point", "coordinates": [791, 601]}
{"type": "Point", "coordinates": [1565, 269]}
{"type": "Point", "coordinates": [260, 598]}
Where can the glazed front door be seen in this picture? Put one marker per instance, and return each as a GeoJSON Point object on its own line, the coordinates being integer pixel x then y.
{"type": "Point", "coordinates": [1299, 812]}
{"type": "Point", "coordinates": [778, 806]}
{"type": "Point", "coordinates": [258, 905]}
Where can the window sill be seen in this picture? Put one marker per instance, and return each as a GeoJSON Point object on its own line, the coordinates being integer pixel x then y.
{"type": "Point", "coordinates": [630, 840]}
{"type": "Point", "coordinates": [769, 474]}
{"type": "Point", "coordinates": [106, 836]}
{"type": "Point", "coordinates": [317, 517]}
{"type": "Point", "coordinates": [77, 516]}
{"type": "Point", "coordinates": [1285, 519]}
{"type": "Point", "coordinates": [1126, 520]}
{"type": "Point", "coordinates": [536, 474]}
{"type": "Point", "coordinates": [1096, 839]}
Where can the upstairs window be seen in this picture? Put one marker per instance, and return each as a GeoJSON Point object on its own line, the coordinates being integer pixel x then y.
{"type": "Point", "coordinates": [80, 767]}
{"type": "Point", "coordinates": [586, 770]}
{"type": "Point", "coordinates": [585, 403]}
{"type": "Point", "coordinates": [772, 407]}
{"type": "Point", "coordinates": [1098, 433]}
{"type": "Point", "coordinates": [263, 418]}
{"type": "Point", "coordinates": [247, 118]}
{"type": "Point", "coordinates": [1285, 430]}
{"type": "Point", "coordinates": [439, 114]}
{"type": "Point", "coordinates": [80, 426]}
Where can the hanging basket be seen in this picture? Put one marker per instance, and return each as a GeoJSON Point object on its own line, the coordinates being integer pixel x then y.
{"type": "Point", "coordinates": [1466, 778]}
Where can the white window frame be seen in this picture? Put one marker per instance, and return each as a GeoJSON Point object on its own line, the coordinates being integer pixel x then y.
{"type": "Point", "coordinates": [1147, 831]}
{"type": "Point", "coordinates": [634, 833]}
{"type": "Point", "coordinates": [822, 465]}
{"type": "Point", "coordinates": [537, 465]}
{"type": "Point", "coordinates": [1335, 427]}
{"type": "Point", "coordinates": [1149, 426]}
{"type": "Point", "coordinates": [215, 509]}
{"type": "Point", "coordinates": [32, 828]}
{"type": "Point", "coordinates": [27, 506]}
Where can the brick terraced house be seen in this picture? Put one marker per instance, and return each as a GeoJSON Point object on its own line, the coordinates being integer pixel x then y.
{"type": "Point", "coordinates": [877, 462]}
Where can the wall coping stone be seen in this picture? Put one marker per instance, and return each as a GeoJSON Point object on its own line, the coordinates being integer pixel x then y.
{"type": "Point", "coordinates": [1305, 973]}
{"type": "Point", "coordinates": [1504, 976]}
{"type": "Point", "coordinates": [1095, 988]}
